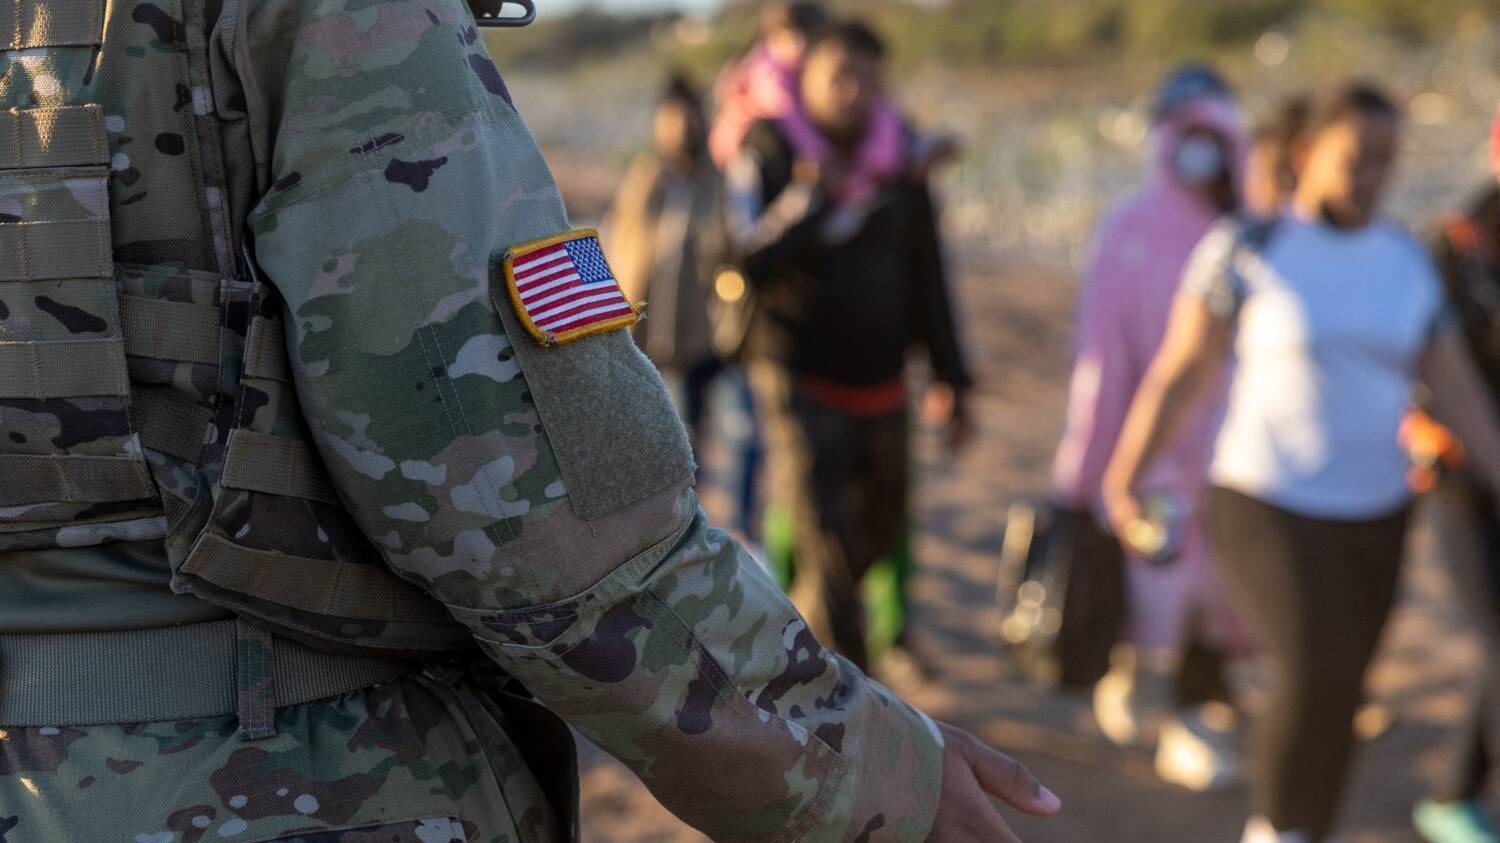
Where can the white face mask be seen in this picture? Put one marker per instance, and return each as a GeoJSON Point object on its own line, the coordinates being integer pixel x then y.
{"type": "Point", "coordinates": [1198, 160]}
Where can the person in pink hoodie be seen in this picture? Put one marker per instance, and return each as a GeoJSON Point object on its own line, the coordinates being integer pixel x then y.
{"type": "Point", "coordinates": [1180, 624]}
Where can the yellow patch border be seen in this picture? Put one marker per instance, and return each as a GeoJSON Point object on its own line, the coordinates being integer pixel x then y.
{"type": "Point", "coordinates": [545, 338]}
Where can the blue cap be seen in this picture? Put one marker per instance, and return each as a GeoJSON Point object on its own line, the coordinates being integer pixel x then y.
{"type": "Point", "coordinates": [1188, 84]}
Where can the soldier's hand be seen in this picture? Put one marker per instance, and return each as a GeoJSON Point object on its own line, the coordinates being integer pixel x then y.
{"type": "Point", "coordinates": [972, 773]}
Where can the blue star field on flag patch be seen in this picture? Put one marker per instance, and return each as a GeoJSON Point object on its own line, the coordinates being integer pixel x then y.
{"type": "Point", "coordinates": [589, 258]}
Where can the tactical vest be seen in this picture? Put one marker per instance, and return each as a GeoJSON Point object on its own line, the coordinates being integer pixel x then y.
{"type": "Point", "coordinates": [145, 391]}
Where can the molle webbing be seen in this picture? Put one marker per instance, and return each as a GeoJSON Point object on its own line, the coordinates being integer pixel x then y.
{"type": "Point", "coordinates": [256, 462]}
{"type": "Point", "coordinates": [70, 136]}
{"type": "Point", "coordinates": [170, 424]}
{"type": "Point", "coordinates": [33, 479]}
{"type": "Point", "coordinates": [53, 23]}
{"type": "Point", "coordinates": [63, 369]}
{"type": "Point", "coordinates": [166, 330]}
{"type": "Point", "coordinates": [54, 250]}
{"type": "Point", "coordinates": [120, 677]}
{"type": "Point", "coordinates": [265, 356]}
{"type": "Point", "coordinates": [322, 587]}
{"type": "Point", "coordinates": [63, 354]}
{"type": "Point", "coordinates": [63, 229]}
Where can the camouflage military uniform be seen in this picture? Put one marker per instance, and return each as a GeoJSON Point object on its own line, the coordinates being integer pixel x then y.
{"type": "Point", "coordinates": [375, 169]}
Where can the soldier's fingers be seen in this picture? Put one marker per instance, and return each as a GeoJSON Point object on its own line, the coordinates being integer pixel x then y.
{"type": "Point", "coordinates": [1008, 779]}
{"type": "Point", "coordinates": [968, 816]}
{"type": "Point", "coordinates": [988, 826]}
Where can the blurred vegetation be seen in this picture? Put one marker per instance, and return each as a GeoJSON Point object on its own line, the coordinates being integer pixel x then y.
{"type": "Point", "coordinates": [1002, 32]}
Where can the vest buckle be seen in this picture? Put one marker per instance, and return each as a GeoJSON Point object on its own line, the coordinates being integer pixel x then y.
{"type": "Point", "coordinates": [492, 13]}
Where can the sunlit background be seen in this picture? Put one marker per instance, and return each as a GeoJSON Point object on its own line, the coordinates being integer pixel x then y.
{"type": "Point", "coordinates": [1049, 95]}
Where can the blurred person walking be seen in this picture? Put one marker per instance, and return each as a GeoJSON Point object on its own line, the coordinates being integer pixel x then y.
{"type": "Point", "coordinates": [842, 246]}
{"type": "Point", "coordinates": [763, 85]}
{"type": "Point", "coordinates": [669, 239]}
{"type": "Point", "coordinates": [1270, 171]}
{"type": "Point", "coordinates": [1270, 182]}
{"type": "Point", "coordinates": [1462, 510]}
{"type": "Point", "coordinates": [1179, 625]}
{"type": "Point", "coordinates": [1329, 314]}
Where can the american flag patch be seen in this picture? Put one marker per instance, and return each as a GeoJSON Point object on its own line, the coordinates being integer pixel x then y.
{"type": "Point", "coordinates": [563, 289]}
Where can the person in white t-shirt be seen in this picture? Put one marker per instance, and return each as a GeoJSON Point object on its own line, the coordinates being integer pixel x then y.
{"type": "Point", "coordinates": [1328, 315]}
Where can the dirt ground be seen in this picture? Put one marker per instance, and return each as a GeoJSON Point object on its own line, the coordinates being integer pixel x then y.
{"type": "Point", "coordinates": [1018, 321]}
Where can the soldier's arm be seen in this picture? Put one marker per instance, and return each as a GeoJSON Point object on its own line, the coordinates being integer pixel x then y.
{"type": "Point", "coordinates": [543, 494]}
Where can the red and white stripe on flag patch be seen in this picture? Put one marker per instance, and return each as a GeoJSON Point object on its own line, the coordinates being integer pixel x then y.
{"type": "Point", "coordinates": [563, 289]}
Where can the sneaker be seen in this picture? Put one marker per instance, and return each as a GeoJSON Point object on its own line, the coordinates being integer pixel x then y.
{"type": "Point", "coordinates": [1198, 750]}
{"type": "Point", "coordinates": [1129, 702]}
{"type": "Point", "coordinates": [1454, 822]}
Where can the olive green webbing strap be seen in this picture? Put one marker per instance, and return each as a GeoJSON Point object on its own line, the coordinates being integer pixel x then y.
{"type": "Point", "coordinates": [51, 23]}
{"type": "Point", "coordinates": [170, 424]}
{"type": "Point", "coordinates": [168, 330]}
{"type": "Point", "coordinates": [177, 673]}
{"type": "Point", "coordinates": [320, 586]}
{"type": "Point", "coordinates": [255, 681]}
{"type": "Point", "coordinates": [274, 465]}
{"type": "Point", "coordinates": [63, 369]}
{"type": "Point", "coordinates": [64, 136]}
{"type": "Point", "coordinates": [55, 250]}
{"type": "Point", "coordinates": [265, 351]}
{"type": "Point", "coordinates": [35, 479]}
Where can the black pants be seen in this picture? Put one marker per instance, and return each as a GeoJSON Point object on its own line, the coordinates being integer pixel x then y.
{"type": "Point", "coordinates": [845, 479]}
{"type": "Point", "coordinates": [1318, 594]}
{"type": "Point", "coordinates": [1468, 538]}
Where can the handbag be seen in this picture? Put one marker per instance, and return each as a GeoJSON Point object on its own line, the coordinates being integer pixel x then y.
{"type": "Point", "coordinates": [1062, 595]}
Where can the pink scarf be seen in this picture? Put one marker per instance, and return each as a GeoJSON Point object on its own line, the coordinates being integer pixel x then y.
{"type": "Point", "coordinates": [880, 159]}
{"type": "Point", "coordinates": [762, 88]}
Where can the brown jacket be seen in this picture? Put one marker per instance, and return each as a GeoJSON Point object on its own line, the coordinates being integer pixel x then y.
{"type": "Point", "coordinates": [666, 241]}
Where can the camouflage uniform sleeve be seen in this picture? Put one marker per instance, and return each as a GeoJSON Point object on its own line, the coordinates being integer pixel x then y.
{"type": "Point", "coordinates": [544, 495]}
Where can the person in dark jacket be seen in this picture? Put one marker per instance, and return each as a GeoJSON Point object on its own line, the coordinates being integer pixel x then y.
{"type": "Point", "coordinates": [840, 240]}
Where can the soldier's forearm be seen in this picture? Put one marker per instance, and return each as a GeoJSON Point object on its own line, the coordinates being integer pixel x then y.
{"type": "Point", "coordinates": [689, 665]}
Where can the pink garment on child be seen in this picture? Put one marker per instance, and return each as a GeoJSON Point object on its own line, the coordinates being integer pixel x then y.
{"type": "Point", "coordinates": [762, 88]}
{"type": "Point", "coordinates": [1139, 255]}
{"type": "Point", "coordinates": [758, 88]}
